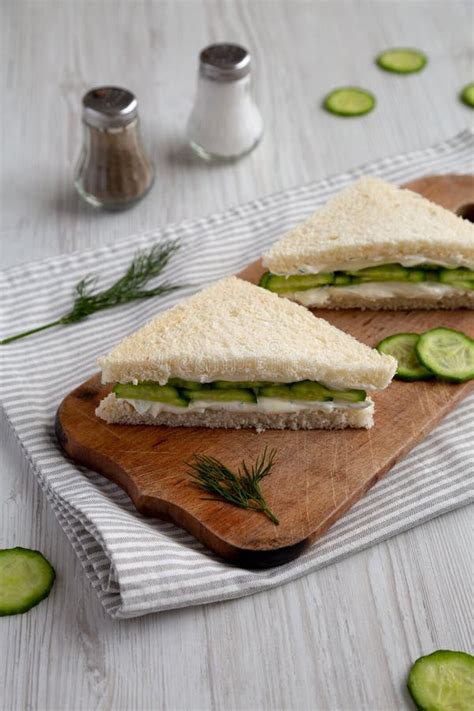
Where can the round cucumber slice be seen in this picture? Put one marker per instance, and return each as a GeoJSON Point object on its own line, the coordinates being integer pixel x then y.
{"type": "Point", "coordinates": [349, 101]}
{"type": "Point", "coordinates": [448, 353]}
{"type": "Point", "coordinates": [467, 95]}
{"type": "Point", "coordinates": [26, 578]}
{"type": "Point", "coordinates": [402, 346]}
{"type": "Point", "coordinates": [401, 60]}
{"type": "Point", "coordinates": [443, 681]}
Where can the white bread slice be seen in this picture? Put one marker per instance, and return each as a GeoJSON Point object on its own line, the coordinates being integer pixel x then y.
{"type": "Point", "coordinates": [116, 411]}
{"type": "Point", "coordinates": [373, 222]}
{"type": "Point", "coordinates": [235, 330]}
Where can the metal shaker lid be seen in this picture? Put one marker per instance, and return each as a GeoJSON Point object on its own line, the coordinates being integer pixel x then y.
{"type": "Point", "coordinates": [224, 62]}
{"type": "Point", "coordinates": [109, 107]}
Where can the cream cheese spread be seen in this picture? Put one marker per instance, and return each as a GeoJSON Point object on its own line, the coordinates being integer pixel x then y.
{"type": "Point", "coordinates": [375, 290]}
{"type": "Point", "coordinates": [266, 405]}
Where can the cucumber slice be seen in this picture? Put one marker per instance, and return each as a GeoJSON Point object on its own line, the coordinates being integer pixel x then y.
{"type": "Point", "coordinates": [448, 353]}
{"type": "Point", "coordinates": [297, 282]}
{"type": "Point", "coordinates": [416, 275]}
{"type": "Point", "coordinates": [232, 385]}
{"type": "Point", "coordinates": [348, 395]}
{"type": "Point", "coordinates": [402, 347]}
{"type": "Point", "coordinates": [263, 280]}
{"type": "Point", "coordinates": [463, 284]}
{"type": "Point", "coordinates": [467, 95]}
{"type": "Point", "coordinates": [457, 277]}
{"type": "Point", "coordinates": [241, 395]}
{"type": "Point", "coordinates": [402, 60]}
{"type": "Point", "coordinates": [277, 391]}
{"type": "Point", "coordinates": [26, 578]}
{"type": "Point", "coordinates": [443, 681]}
{"type": "Point", "coordinates": [342, 279]}
{"type": "Point", "coordinates": [309, 390]}
{"type": "Point", "coordinates": [188, 384]}
{"type": "Point", "coordinates": [349, 101]}
{"type": "Point", "coordinates": [148, 390]}
{"type": "Point", "coordinates": [383, 272]}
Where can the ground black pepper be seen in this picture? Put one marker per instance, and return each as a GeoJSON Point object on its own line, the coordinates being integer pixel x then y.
{"type": "Point", "coordinates": [113, 170]}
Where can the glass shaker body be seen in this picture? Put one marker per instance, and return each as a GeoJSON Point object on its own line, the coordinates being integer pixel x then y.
{"type": "Point", "coordinates": [225, 122]}
{"type": "Point", "coordinates": [113, 170]}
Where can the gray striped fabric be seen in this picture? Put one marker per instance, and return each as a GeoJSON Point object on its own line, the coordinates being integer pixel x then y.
{"type": "Point", "coordinates": [140, 565]}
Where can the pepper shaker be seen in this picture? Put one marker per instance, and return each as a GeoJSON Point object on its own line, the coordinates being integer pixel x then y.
{"type": "Point", "coordinates": [225, 122]}
{"type": "Point", "coordinates": [113, 170]}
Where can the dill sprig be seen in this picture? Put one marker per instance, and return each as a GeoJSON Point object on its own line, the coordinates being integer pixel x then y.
{"type": "Point", "coordinates": [146, 265]}
{"type": "Point", "coordinates": [241, 488]}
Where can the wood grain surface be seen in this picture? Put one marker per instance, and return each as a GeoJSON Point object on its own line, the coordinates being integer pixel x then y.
{"type": "Point", "coordinates": [333, 469]}
{"type": "Point", "coordinates": [340, 639]}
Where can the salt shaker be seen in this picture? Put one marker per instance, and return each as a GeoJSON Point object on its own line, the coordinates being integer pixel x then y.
{"type": "Point", "coordinates": [113, 170]}
{"type": "Point", "coordinates": [225, 122]}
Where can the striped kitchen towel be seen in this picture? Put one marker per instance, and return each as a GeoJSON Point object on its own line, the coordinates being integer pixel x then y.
{"type": "Point", "coordinates": [140, 565]}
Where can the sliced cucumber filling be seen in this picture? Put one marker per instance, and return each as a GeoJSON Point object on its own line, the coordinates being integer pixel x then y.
{"type": "Point", "coordinates": [237, 394]}
{"type": "Point", "coordinates": [148, 390]}
{"type": "Point", "coordinates": [298, 282]}
{"type": "Point", "coordinates": [230, 391]}
{"type": "Point", "coordinates": [231, 385]}
{"type": "Point", "coordinates": [457, 276]}
{"type": "Point", "coordinates": [460, 278]}
{"type": "Point", "coordinates": [188, 384]}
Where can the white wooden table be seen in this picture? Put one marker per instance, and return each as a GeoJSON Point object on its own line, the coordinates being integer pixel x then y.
{"type": "Point", "coordinates": [342, 638]}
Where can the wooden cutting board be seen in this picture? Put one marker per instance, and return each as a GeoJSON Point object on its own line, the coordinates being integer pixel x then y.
{"type": "Point", "coordinates": [318, 474]}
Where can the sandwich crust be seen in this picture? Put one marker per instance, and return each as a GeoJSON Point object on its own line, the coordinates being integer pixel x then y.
{"type": "Point", "coordinates": [234, 330]}
{"type": "Point", "coordinates": [116, 411]}
{"type": "Point", "coordinates": [375, 222]}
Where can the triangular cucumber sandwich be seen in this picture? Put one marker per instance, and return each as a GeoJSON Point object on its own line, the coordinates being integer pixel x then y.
{"type": "Point", "coordinates": [375, 246]}
{"type": "Point", "coordinates": [235, 355]}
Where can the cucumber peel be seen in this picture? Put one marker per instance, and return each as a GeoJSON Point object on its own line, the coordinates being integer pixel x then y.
{"type": "Point", "coordinates": [443, 681]}
{"type": "Point", "coordinates": [349, 101]}
{"type": "Point", "coordinates": [402, 60]}
{"type": "Point", "coordinates": [229, 395]}
{"type": "Point", "coordinates": [402, 346]}
{"type": "Point", "coordinates": [26, 578]}
{"type": "Point", "coordinates": [295, 282]}
{"type": "Point", "coordinates": [148, 390]}
{"type": "Point", "coordinates": [232, 385]}
{"type": "Point", "coordinates": [447, 353]}
{"type": "Point", "coordinates": [467, 95]}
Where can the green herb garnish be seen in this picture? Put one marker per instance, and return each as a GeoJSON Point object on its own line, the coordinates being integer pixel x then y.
{"type": "Point", "coordinates": [241, 488]}
{"type": "Point", "coordinates": [145, 266]}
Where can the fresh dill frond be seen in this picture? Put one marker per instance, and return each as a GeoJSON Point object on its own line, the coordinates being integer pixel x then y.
{"type": "Point", "coordinates": [146, 265]}
{"type": "Point", "coordinates": [241, 488]}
